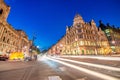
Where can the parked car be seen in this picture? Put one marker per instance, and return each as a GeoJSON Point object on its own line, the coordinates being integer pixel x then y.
{"type": "Point", "coordinates": [27, 59]}
{"type": "Point", "coordinates": [3, 57]}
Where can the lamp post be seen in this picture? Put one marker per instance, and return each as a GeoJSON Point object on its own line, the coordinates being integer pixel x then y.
{"type": "Point", "coordinates": [38, 49]}
{"type": "Point", "coordinates": [32, 47]}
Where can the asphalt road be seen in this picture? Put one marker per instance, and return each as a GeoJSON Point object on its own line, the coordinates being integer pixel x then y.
{"type": "Point", "coordinates": [61, 68]}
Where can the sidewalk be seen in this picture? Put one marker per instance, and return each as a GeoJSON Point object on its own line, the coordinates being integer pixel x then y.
{"type": "Point", "coordinates": [116, 55]}
{"type": "Point", "coordinates": [11, 64]}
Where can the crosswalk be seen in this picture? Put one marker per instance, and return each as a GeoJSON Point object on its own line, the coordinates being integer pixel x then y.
{"type": "Point", "coordinates": [79, 65]}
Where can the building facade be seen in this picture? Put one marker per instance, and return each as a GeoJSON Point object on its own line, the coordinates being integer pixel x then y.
{"type": "Point", "coordinates": [59, 47]}
{"type": "Point", "coordinates": [84, 38]}
{"type": "Point", "coordinates": [113, 36]}
{"type": "Point", "coordinates": [11, 40]}
{"type": "Point", "coordinates": [23, 42]}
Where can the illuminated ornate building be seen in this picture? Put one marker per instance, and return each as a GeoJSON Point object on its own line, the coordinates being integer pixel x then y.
{"type": "Point", "coordinates": [113, 36]}
{"type": "Point", "coordinates": [83, 38]}
{"type": "Point", "coordinates": [59, 47]}
{"type": "Point", "coordinates": [11, 40]}
{"type": "Point", "coordinates": [23, 42]}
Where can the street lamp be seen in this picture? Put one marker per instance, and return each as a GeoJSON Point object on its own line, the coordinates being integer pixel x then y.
{"type": "Point", "coordinates": [38, 47]}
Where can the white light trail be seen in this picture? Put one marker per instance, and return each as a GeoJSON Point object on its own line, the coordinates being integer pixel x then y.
{"type": "Point", "coordinates": [97, 57]}
{"type": "Point", "coordinates": [54, 78]}
{"type": "Point", "coordinates": [41, 58]}
{"type": "Point", "coordinates": [96, 74]}
{"type": "Point", "coordinates": [91, 64]}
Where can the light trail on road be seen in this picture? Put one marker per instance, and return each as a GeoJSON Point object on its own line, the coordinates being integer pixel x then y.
{"type": "Point", "coordinates": [96, 57]}
{"type": "Point", "coordinates": [91, 64]}
{"type": "Point", "coordinates": [96, 74]}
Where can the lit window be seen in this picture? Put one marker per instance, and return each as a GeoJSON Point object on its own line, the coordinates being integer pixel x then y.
{"type": "Point", "coordinates": [81, 42]}
{"type": "Point", "coordinates": [107, 31]}
{"type": "Point", "coordinates": [85, 43]}
{"type": "Point", "coordinates": [108, 34]}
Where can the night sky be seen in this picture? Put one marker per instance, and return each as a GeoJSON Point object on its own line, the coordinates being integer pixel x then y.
{"type": "Point", "coordinates": [47, 19]}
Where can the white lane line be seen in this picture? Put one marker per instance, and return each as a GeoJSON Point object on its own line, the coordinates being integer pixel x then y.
{"type": "Point", "coordinates": [97, 57]}
{"type": "Point", "coordinates": [54, 78]}
{"type": "Point", "coordinates": [91, 64]}
{"type": "Point", "coordinates": [96, 74]}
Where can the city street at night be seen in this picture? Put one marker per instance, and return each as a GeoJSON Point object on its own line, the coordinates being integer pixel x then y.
{"type": "Point", "coordinates": [62, 68]}
{"type": "Point", "coordinates": [59, 39]}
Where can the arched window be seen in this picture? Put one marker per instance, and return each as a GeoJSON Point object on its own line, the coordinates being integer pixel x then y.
{"type": "Point", "coordinates": [3, 39]}
{"type": "Point", "coordinates": [8, 41]}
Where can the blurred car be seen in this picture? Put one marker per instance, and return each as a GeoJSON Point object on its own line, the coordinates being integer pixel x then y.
{"type": "Point", "coordinates": [3, 57]}
{"type": "Point", "coordinates": [16, 56]}
{"type": "Point", "coordinates": [27, 59]}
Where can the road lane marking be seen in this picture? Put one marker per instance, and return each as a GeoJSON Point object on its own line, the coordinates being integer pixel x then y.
{"type": "Point", "coordinates": [82, 79]}
{"type": "Point", "coordinates": [28, 72]}
{"type": "Point", "coordinates": [54, 78]}
{"type": "Point", "coordinates": [96, 74]}
{"type": "Point", "coordinates": [62, 68]}
{"type": "Point", "coordinates": [91, 64]}
{"type": "Point", "coordinates": [97, 57]}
